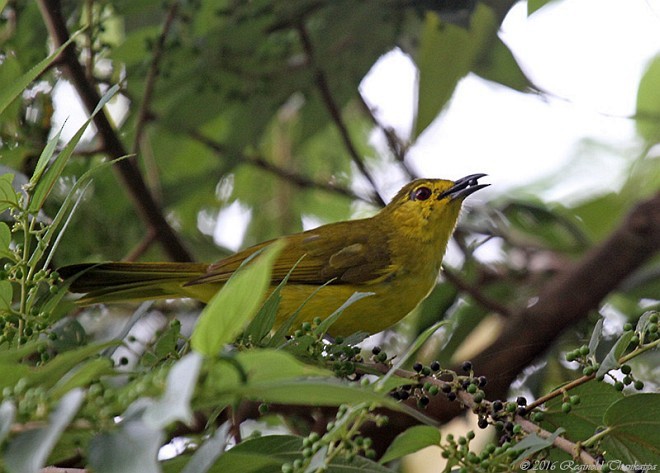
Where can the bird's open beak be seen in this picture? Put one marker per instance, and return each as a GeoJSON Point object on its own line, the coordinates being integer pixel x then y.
{"type": "Point", "coordinates": [464, 187]}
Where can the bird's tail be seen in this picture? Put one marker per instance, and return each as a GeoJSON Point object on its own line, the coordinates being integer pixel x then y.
{"type": "Point", "coordinates": [113, 282]}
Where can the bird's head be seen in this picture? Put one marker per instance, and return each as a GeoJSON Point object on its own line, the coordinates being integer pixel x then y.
{"type": "Point", "coordinates": [428, 209]}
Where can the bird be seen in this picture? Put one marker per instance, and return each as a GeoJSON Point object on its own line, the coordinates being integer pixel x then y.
{"type": "Point", "coordinates": [394, 255]}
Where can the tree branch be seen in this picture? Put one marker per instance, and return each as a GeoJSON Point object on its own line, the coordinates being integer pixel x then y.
{"type": "Point", "coordinates": [571, 295]}
{"type": "Point", "coordinates": [333, 109]}
{"type": "Point", "coordinates": [292, 177]}
{"type": "Point", "coordinates": [129, 173]}
{"type": "Point", "coordinates": [144, 114]}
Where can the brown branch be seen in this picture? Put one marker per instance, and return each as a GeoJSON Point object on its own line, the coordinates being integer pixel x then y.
{"type": "Point", "coordinates": [128, 170]}
{"type": "Point", "coordinates": [569, 296]}
{"type": "Point", "coordinates": [394, 143]}
{"type": "Point", "coordinates": [333, 109]}
{"type": "Point", "coordinates": [144, 115]}
{"type": "Point", "coordinates": [292, 177]}
{"type": "Point", "coordinates": [475, 293]}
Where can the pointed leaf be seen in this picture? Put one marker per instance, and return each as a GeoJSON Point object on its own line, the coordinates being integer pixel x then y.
{"type": "Point", "coordinates": [50, 176]}
{"type": "Point", "coordinates": [8, 196]}
{"type": "Point", "coordinates": [175, 402]}
{"type": "Point", "coordinates": [5, 241]}
{"type": "Point", "coordinates": [532, 443]}
{"type": "Point", "coordinates": [29, 451]}
{"type": "Point", "coordinates": [611, 360]}
{"type": "Point", "coordinates": [6, 296]}
{"type": "Point", "coordinates": [635, 421]}
{"type": "Point", "coordinates": [206, 455]}
{"type": "Point", "coordinates": [133, 447]}
{"type": "Point", "coordinates": [44, 159]}
{"type": "Point", "coordinates": [235, 304]}
{"type": "Point", "coordinates": [447, 53]}
{"type": "Point", "coordinates": [648, 103]}
{"type": "Point", "coordinates": [410, 441]}
{"type": "Point", "coordinates": [595, 336]}
{"type": "Point", "coordinates": [8, 95]}
{"type": "Point", "coordinates": [7, 415]}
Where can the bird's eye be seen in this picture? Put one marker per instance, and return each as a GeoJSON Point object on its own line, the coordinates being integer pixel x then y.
{"type": "Point", "coordinates": [421, 193]}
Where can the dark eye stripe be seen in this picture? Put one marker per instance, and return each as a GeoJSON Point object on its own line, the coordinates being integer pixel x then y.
{"type": "Point", "coordinates": [421, 193]}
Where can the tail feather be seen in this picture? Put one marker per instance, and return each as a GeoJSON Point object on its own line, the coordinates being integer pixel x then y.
{"type": "Point", "coordinates": [108, 282]}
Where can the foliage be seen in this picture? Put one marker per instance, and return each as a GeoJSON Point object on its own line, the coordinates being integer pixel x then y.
{"type": "Point", "coordinates": [255, 103]}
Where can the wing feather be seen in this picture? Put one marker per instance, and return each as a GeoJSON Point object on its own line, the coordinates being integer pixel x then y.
{"type": "Point", "coordinates": [331, 252]}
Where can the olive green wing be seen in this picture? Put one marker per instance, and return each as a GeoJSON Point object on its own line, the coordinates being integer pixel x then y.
{"type": "Point", "coordinates": [343, 253]}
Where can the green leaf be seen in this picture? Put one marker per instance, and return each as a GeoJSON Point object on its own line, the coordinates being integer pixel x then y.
{"type": "Point", "coordinates": [45, 184]}
{"type": "Point", "coordinates": [208, 452]}
{"type": "Point", "coordinates": [532, 443]}
{"type": "Point", "coordinates": [5, 241]}
{"type": "Point", "coordinates": [9, 94]}
{"type": "Point", "coordinates": [446, 54]}
{"type": "Point", "coordinates": [263, 322]}
{"type": "Point", "coordinates": [175, 403]}
{"type": "Point", "coordinates": [6, 296]}
{"type": "Point", "coordinates": [29, 451]}
{"type": "Point", "coordinates": [235, 304]}
{"type": "Point", "coordinates": [499, 65]}
{"type": "Point", "coordinates": [325, 325]}
{"type": "Point", "coordinates": [82, 376]}
{"type": "Point", "coordinates": [585, 417]}
{"type": "Point", "coordinates": [44, 159]}
{"type": "Point", "coordinates": [8, 196]}
{"type": "Point", "coordinates": [635, 424]}
{"type": "Point", "coordinates": [648, 103]}
{"type": "Point", "coordinates": [611, 360]}
{"type": "Point", "coordinates": [410, 441]}
{"type": "Point", "coordinates": [66, 210]}
{"type": "Point", "coordinates": [259, 366]}
{"type": "Point", "coordinates": [535, 5]}
{"type": "Point", "coordinates": [262, 454]}
{"type": "Point", "coordinates": [133, 447]}
{"type": "Point", "coordinates": [595, 336]}
{"type": "Point", "coordinates": [7, 415]}
{"type": "Point", "coordinates": [53, 372]}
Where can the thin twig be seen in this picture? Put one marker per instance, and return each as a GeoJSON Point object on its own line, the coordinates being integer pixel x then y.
{"type": "Point", "coordinates": [333, 109]}
{"type": "Point", "coordinates": [292, 177]}
{"type": "Point", "coordinates": [394, 142]}
{"type": "Point", "coordinates": [141, 247]}
{"type": "Point", "coordinates": [142, 197]}
{"type": "Point", "coordinates": [467, 400]}
{"type": "Point", "coordinates": [144, 114]}
{"type": "Point", "coordinates": [475, 293]}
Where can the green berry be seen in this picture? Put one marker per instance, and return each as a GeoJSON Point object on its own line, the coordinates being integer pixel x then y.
{"type": "Point", "coordinates": [626, 369]}
{"type": "Point", "coordinates": [639, 385]}
{"type": "Point", "coordinates": [472, 388]}
{"type": "Point", "coordinates": [575, 400]}
{"type": "Point", "coordinates": [584, 350]}
{"type": "Point", "coordinates": [618, 386]}
{"type": "Point", "coordinates": [627, 327]}
{"type": "Point", "coordinates": [566, 407]}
